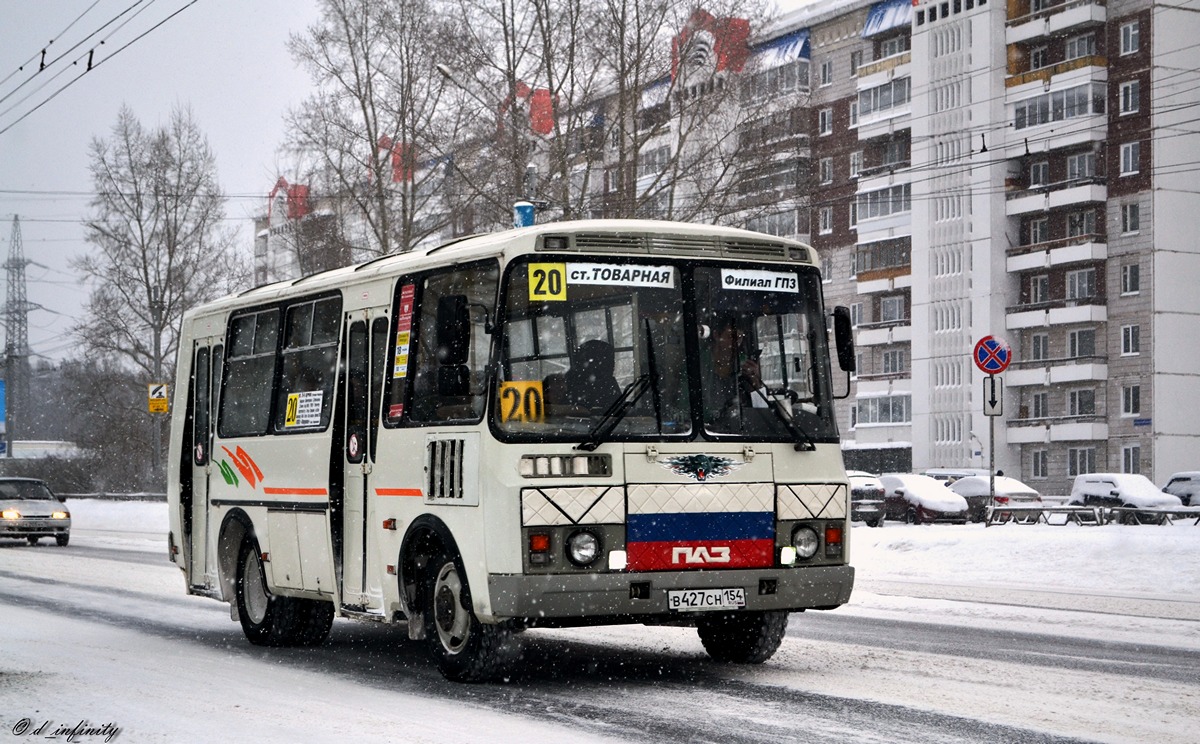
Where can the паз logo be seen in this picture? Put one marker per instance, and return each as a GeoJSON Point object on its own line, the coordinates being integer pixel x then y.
{"type": "Point", "coordinates": [700, 554]}
{"type": "Point", "coordinates": [245, 465]}
{"type": "Point", "coordinates": [700, 467]}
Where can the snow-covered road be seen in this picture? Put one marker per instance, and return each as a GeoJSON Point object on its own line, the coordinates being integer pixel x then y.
{"type": "Point", "coordinates": [1014, 633]}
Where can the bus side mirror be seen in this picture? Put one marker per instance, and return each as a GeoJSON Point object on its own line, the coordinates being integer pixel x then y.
{"type": "Point", "coordinates": [453, 329]}
{"type": "Point", "coordinates": [843, 336]}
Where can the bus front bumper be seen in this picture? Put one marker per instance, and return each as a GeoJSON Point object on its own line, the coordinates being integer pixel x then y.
{"type": "Point", "coordinates": [645, 594]}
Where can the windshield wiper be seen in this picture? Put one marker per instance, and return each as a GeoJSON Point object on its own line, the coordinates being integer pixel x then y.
{"type": "Point", "coordinates": [804, 443]}
{"type": "Point", "coordinates": [615, 413]}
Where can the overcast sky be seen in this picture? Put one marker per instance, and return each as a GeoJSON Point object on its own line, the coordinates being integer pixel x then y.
{"type": "Point", "coordinates": [225, 58]}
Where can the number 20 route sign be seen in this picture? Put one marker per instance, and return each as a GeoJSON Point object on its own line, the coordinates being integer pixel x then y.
{"type": "Point", "coordinates": [992, 355]}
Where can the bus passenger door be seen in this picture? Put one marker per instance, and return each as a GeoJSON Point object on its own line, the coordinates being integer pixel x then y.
{"type": "Point", "coordinates": [206, 378]}
{"type": "Point", "coordinates": [366, 340]}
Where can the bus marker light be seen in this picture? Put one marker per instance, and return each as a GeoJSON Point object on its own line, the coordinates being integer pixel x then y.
{"type": "Point", "coordinates": [391, 569]}
{"type": "Point", "coordinates": [617, 560]}
{"type": "Point", "coordinates": [266, 557]}
{"type": "Point", "coordinates": [539, 543]}
{"type": "Point", "coordinates": [787, 555]}
{"type": "Point", "coordinates": [389, 524]}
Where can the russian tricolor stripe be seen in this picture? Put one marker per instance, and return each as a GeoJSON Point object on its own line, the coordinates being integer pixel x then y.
{"type": "Point", "coordinates": [662, 542]}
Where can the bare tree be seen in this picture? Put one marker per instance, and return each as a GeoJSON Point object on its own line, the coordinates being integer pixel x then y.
{"type": "Point", "coordinates": [373, 121]}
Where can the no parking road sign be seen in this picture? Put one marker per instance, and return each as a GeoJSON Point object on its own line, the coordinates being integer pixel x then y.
{"type": "Point", "coordinates": [992, 355]}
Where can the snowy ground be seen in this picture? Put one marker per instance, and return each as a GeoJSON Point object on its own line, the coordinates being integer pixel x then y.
{"type": "Point", "coordinates": [1111, 584]}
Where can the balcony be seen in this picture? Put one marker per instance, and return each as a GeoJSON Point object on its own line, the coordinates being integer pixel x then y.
{"type": "Point", "coordinates": [1090, 247]}
{"type": "Point", "coordinates": [1057, 429]}
{"type": "Point", "coordinates": [883, 280]}
{"type": "Point", "coordinates": [1056, 312]}
{"type": "Point", "coordinates": [885, 332]}
{"type": "Point", "coordinates": [1054, 195]}
{"type": "Point", "coordinates": [883, 65]}
{"type": "Point", "coordinates": [1055, 371]}
{"type": "Point", "coordinates": [1055, 20]}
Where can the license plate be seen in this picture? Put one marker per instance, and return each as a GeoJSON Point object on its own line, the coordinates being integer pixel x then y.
{"type": "Point", "coordinates": [692, 600]}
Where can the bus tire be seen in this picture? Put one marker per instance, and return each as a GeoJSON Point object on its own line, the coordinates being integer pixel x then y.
{"type": "Point", "coordinates": [268, 620]}
{"type": "Point", "coordinates": [743, 637]}
{"type": "Point", "coordinates": [465, 649]}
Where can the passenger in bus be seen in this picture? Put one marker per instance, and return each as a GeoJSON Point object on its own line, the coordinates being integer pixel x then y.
{"type": "Point", "coordinates": [589, 385]}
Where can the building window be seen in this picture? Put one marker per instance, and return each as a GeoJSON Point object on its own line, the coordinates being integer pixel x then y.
{"type": "Point", "coordinates": [853, 214]}
{"type": "Point", "coordinates": [1039, 289]}
{"type": "Point", "coordinates": [1130, 154]}
{"type": "Point", "coordinates": [1041, 464]}
{"type": "Point", "coordinates": [892, 409]}
{"type": "Point", "coordinates": [856, 162]}
{"type": "Point", "coordinates": [827, 73]}
{"type": "Point", "coordinates": [1081, 344]}
{"type": "Point", "coordinates": [1081, 402]}
{"type": "Point", "coordinates": [1131, 280]}
{"type": "Point", "coordinates": [855, 62]}
{"type": "Point", "coordinates": [1081, 223]}
{"type": "Point", "coordinates": [1131, 340]}
{"type": "Point", "coordinates": [1129, 97]}
{"type": "Point", "coordinates": [1131, 458]}
{"type": "Point", "coordinates": [1081, 100]}
{"type": "Point", "coordinates": [825, 217]}
{"type": "Point", "coordinates": [1081, 46]}
{"type": "Point", "coordinates": [1131, 400]}
{"type": "Point", "coordinates": [856, 314]}
{"type": "Point", "coordinates": [826, 269]}
{"type": "Point", "coordinates": [1039, 344]}
{"type": "Point", "coordinates": [893, 362]}
{"type": "Point", "coordinates": [1041, 405]}
{"type": "Point", "coordinates": [884, 202]}
{"type": "Point", "coordinates": [853, 114]}
{"type": "Point", "coordinates": [1039, 57]}
{"type": "Point", "coordinates": [825, 121]}
{"type": "Point", "coordinates": [1081, 284]}
{"type": "Point", "coordinates": [1131, 218]}
{"type": "Point", "coordinates": [826, 170]}
{"type": "Point", "coordinates": [1039, 173]}
{"type": "Point", "coordinates": [891, 309]}
{"type": "Point", "coordinates": [1130, 42]}
{"type": "Point", "coordinates": [1039, 230]}
{"type": "Point", "coordinates": [1038, 6]}
{"type": "Point", "coordinates": [1081, 165]}
{"type": "Point", "coordinates": [884, 97]}
{"type": "Point", "coordinates": [893, 46]}
{"type": "Point", "coordinates": [1081, 460]}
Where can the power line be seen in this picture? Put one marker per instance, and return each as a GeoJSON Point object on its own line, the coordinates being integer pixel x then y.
{"type": "Point", "coordinates": [42, 53]}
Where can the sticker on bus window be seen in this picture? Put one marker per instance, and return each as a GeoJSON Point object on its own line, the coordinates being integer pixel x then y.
{"type": "Point", "coordinates": [547, 282]}
{"type": "Point", "coordinates": [625, 276]}
{"type": "Point", "coordinates": [756, 280]}
{"type": "Point", "coordinates": [304, 409]}
{"type": "Point", "coordinates": [404, 330]}
{"type": "Point", "coordinates": [522, 401]}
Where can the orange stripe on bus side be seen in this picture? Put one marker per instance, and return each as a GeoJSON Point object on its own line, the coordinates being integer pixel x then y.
{"type": "Point", "coordinates": [397, 492]}
{"type": "Point", "coordinates": [295, 491]}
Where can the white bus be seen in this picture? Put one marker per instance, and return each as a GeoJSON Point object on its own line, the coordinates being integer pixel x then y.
{"type": "Point", "coordinates": [570, 424]}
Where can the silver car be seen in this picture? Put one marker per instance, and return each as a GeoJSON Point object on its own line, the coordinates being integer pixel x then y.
{"type": "Point", "coordinates": [29, 510]}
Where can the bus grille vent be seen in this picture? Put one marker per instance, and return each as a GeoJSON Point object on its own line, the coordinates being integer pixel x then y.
{"type": "Point", "coordinates": [444, 469]}
{"type": "Point", "coordinates": [685, 245]}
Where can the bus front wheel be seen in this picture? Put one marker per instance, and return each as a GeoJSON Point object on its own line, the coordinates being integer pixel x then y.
{"type": "Point", "coordinates": [270, 620]}
{"type": "Point", "coordinates": [465, 649]}
{"type": "Point", "coordinates": [743, 637]}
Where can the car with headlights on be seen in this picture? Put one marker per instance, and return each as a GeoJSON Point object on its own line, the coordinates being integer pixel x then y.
{"type": "Point", "coordinates": [29, 510]}
{"type": "Point", "coordinates": [866, 498]}
{"type": "Point", "coordinates": [976, 489]}
{"type": "Point", "coordinates": [919, 499]}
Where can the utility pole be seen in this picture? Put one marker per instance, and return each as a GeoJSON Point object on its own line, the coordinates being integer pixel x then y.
{"type": "Point", "coordinates": [16, 327]}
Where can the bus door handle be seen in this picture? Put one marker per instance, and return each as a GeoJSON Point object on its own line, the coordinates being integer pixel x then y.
{"type": "Point", "coordinates": [366, 466]}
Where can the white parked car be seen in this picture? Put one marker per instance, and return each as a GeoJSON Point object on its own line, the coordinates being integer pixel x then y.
{"type": "Point", "coordinates": [1186, 486]}
{"type": "Point", "coordinates": [1009, 491]}
{"type": "Point", "coordinates": [919, 499]}
{"type": "Point", "coordinates": [1127, 490]}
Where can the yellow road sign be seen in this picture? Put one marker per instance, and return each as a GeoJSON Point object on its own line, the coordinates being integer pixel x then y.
{"type": "Point", "coordinates": [156, 397]}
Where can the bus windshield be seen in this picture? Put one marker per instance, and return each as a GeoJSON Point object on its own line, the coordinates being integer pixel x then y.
{"type": "Point", "coordinates": [596, 351]}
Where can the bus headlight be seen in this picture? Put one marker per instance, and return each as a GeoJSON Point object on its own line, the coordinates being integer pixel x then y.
{"type": "Point", "coordinates": [583, 548]}
{"type": "Point", "coordinates": [805, 541]}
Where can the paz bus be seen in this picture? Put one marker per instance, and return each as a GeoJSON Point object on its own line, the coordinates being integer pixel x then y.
{"type": "Point", "coordinates": [569, 424]}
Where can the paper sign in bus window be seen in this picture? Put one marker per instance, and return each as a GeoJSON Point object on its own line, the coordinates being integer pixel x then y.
{"type": "Point", "coordinates": [304, 409]}
{"type": "Point", "coordinates": [547, 282]}
{"type": "Point", "coordinates": [755, 280]}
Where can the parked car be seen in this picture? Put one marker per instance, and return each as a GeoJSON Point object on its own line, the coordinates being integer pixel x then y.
{"type": "Point", "coordinates": [976, 489]}
{"type": "Point", "coordinates": [1126, 490]}
{"type": "Point", "coordinates": [29, 510]}
{"type": "Point", "coordinates": [949, 475]}
{"type": "Point", "coordinates": [1186, 486]}
{"type": "Point", "coordinates": [866, 498]}
{"type": "Point", "coordinates": [919, 499]}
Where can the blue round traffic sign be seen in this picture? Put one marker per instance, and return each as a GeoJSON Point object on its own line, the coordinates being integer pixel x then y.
{"type": "Point", "coordinates": [992, 355]}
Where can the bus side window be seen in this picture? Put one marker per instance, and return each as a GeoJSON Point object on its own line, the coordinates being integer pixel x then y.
{"type": "Point", "coordinates": [245, 408]}
{"type": "Point", "coordinates": [450, 375]}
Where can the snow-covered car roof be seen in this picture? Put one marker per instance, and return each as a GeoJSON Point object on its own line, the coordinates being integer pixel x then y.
{"type": "Point", "coordinates": [1134, 489]}
{"type": "Point", "coordinates": [977, 485]}
{"type": "Point", "coordinates": [858, 477]}
{"type": "Point", "coordinates": [1189, 481]}
{"type": "Point", "coordinates": [921, 489]}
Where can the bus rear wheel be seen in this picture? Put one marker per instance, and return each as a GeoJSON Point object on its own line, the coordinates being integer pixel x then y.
{"type": "Point", "coordinates": [270, 620]}
{"type": "Point", "coordinates": [465, 649]}
{"type": "Point", "coordinates": [743, 637]}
